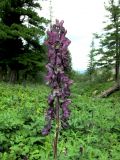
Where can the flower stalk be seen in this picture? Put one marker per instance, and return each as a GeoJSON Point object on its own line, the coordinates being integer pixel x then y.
{"type": "Point", "coordinates": [58, 60]}
{"type": "Point", "coordinates": [57, 129]}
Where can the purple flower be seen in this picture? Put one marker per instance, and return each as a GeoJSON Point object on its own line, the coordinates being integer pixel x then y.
{"type": "Point", "coordinates": [57, 44]}
{"type": "Point", "coordinates": [46, 130]}
{"type": "Point", "coordinates": [50, 113]}
{"type": "Point", "coordinates": [50, 99]}
{"type": "Point", "coordinates": [58, 61]}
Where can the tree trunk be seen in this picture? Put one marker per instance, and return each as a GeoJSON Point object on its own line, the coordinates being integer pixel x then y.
{"type": "Point", "coordinates": [109, 91]}
{"type": "Point", "coordinates": [13, 76]}
{"type": "Point", "coordinates": [117, 65]}
{"type": "Point", "coordinates": [3, 72]}
{"type": "Point", "coordinates": [117, 71]}
{"type": "Point", "coordinates": [0, 73]}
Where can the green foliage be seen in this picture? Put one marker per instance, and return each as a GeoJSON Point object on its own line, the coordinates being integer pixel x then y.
{"type": "Point", "coordinates": [93, 132]}
{"type": "Point", "coordinates": [91, 65]}
{"type": "Point", "coordinates": [21, 29]}
{"type": "Point", "coordinates": [109, 41]}
{"type": "Point", "coordinates": [68, 69]}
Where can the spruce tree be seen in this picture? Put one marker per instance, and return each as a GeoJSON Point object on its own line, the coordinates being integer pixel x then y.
{"type": "Point", "coordinates": [109, 50]}
{"type": "Point", "coordinates": [20, 31]}
{"type": "Point", "coordinates": [91, 64]}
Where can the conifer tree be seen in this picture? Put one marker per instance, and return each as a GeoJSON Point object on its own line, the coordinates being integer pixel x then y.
{"type": "Point", "coordinates": [91, 65]}
{"type": "Point", "coordinates": [109, 50]}
{"type": "Point", "coordinates": [20, 31]}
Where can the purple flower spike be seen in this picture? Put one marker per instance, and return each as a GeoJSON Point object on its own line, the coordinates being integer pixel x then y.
{"type": "Point", "coordinates": [61, 23]}
{"type": "Point", "coordinates": [50, 99]}
{"type": "Point", "coordinates": [58, 58]}
{"type": "Point", "coordinates": [45, 132]}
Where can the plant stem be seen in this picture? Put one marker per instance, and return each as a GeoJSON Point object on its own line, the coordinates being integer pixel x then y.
{"type": "Point", "coordinates": [57, 129]}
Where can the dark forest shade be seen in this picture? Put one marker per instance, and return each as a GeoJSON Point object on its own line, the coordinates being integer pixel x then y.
{"type": "Point", "coordinates": [20, 31]}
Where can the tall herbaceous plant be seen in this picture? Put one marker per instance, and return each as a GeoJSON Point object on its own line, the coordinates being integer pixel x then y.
{"type": "Point", "coordinates": [58, 59]}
